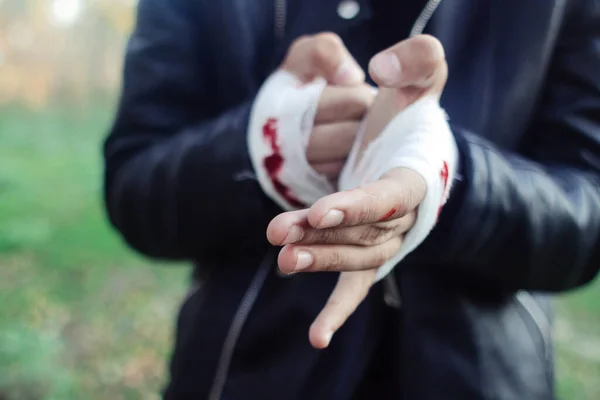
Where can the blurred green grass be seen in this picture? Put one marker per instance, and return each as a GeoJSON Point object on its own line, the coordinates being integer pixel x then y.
{"type": "Point", "coordinates": [81, 317]}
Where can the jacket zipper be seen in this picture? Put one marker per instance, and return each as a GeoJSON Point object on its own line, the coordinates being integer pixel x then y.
{"type": "Point", "coordinates": [424, 17]}
{"type": "Point", "coordinates": [417, 29]}
{"type": "Point", "coordinates": [237, 324]}
{"type": "Point", "coordinates": [280, 18]}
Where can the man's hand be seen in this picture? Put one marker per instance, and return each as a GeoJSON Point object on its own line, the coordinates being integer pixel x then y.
{"type": "Point", "coordinates": [343, 103]}
{"type": "Point", "coordinates": [357, 231]}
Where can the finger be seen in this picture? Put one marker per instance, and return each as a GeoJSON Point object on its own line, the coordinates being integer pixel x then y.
{"type": "Point", "coordinates": [331, 169]}
{"type": "Point", "coordinates": [331, 142]}
{"type": "Point", "coordinates": [323, 55]}
{"type": "Point", "coordinates": [331, 257]}
{"type": "Point", "coordinates": [350, 291]}
{"type": "Point", "coordinates": [296, 222]}
{"type": "Point", "coordinates": [418, 62]}
{"type": "Point", "coordinates": [344, 103]}
{"type": "Point", "coordinates": [363, 235]}
{"type": "Point", "coordinates": [287, 227]}
{"type": "Point", "coordinates": [395, 195]}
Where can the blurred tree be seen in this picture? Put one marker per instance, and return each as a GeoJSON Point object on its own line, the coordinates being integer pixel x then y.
{"type": "Point", "coordinates": [61, 50]}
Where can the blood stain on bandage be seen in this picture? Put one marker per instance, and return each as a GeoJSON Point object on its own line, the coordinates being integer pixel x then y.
{"type": "Point", "coordinates": [444, 174]}
{"type": "Point", "coordinates": [274, 163]}
{"type": "Point", "coordinates": [388, 215]}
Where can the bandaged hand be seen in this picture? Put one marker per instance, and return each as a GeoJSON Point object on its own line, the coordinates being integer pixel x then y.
{"type": "Point", "coordinates": [395, 182]}
{"type": "Point", "coordinates": [305, 120]}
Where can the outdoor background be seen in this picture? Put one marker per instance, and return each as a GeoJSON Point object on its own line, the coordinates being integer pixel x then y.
{"type": "Point", "coordinates": [81, 317]}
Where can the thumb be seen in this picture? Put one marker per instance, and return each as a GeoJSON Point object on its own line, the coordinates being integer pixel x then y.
{"type": "Point", "coordinates": [405, 73]}
{"type": "Point", "coordinates": [350, 290]}
{"type": "Point", "coordinates": [323, 55]}
{"type": "Point", "coordinates": [417, 64]}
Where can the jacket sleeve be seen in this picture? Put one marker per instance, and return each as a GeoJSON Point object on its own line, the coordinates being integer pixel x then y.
{"type": "Point", "coordinates": [532, 220]}
{"type": "Point", "coordinates": [178, 178]}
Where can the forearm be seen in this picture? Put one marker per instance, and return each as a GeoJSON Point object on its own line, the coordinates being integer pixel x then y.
{"type": "Point", "coordinates": [518, 223]}
{"type": "Point", "coordinates": [190, 195]}
{"type": "Point", "coordinates": [532, 220]}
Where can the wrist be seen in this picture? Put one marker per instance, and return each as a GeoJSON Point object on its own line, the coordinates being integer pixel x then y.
{"type": "Point", "coordinates": [281, 122]}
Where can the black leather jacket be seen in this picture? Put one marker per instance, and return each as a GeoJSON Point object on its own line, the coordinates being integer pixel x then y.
{"type": "Point", "coordinates": [524, 101]}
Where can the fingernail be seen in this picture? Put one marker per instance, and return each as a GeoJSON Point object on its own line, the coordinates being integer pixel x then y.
{"type": "Point", "coordinates": [332, 219]}
{"type": "Point", "coordinates": [328, 337]}
{"type": "Point", "coordinates": [387, 67]}
{"type": "Point", "coordinates": [295, 234]}
{"type": "Point", "coordinates": [303, 260]}
{"type": "Point", "coordinates": [348, 73]}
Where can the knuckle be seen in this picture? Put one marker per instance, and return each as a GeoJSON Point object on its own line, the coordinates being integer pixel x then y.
{"type": "Point", "coordinates": [340, 108]}
{"type": "Point", "coordinates": [327, 236]}
{"type": "Point", "coordinates": [331, 261]}
{"type": "Point", "coordinates": [405, 224]}
{"type": "Point", "coordinates": [365, 211]}
{"type": "Point", "coordinates": [327, 52]}
{"type": "Point", "coordinates": [430, 46]}
{"type": "Point", "coordinates": [329, 37]}
{"type": "Point", "coordinates": [411, 197]}
{"type": "Point", "coordinates": [367, 95]}
{"type": "Point", "coordinates": [382, 254]}
{"type": "Point", "coordinates": [373, 235]}
{"type": "Point", "coordinates": [339, 142]}
{"type": "Point", "coordinates": [430, 50]}
{"type": "Point", "coordinates": [401, 196]}
{"type": "Point", "coordinates": [295, 50]}
{"type": "Point", "coordinates": [298, 44]}
{"type": "Point", "coordinates": [359, 102]}
{"type": "Point", "coordinates": [410, 219]}
{"type": "Point", "coordinates": [347, 132]}
{"type": "Point", "coordinates": [402, 208]}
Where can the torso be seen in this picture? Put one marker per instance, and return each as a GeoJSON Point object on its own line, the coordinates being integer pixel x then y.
{"type": "Point", "coordinates": [498, 56]}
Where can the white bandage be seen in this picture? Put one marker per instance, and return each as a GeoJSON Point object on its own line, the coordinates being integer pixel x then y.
{"type": "Point", "coordinates": [281, 122]}
{"type": "Point", "coordinates": [418, 138]}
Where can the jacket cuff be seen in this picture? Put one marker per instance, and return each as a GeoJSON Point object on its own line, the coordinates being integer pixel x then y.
{"type": "Point", "coordinates": [281, 122]}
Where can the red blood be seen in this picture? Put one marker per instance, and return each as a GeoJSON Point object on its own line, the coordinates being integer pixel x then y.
{"type": "Point", "coordinates": [389, 214]}
{"type": "Point", "coordinates": [274, 163]}
{"type": "Point", "coordinates": [444, 173]}
{"type": "Point", "coordinates": [270, 134]}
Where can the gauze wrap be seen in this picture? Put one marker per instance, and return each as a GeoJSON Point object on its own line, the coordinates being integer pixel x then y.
{"type": "Point", "coordinates": [280, 126]}
{"type": "Point", "coordinates": [418, 138]}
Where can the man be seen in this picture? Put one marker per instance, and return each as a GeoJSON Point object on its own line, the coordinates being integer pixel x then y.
{"type": "Point", "coordinates": [455, 319]}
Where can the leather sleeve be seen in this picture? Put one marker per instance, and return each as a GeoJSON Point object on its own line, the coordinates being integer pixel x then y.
{"type": "Point", "coordinates": [178, 179]}
{"type": "Point", "coordinates": [532, 220]}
